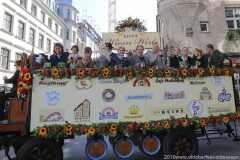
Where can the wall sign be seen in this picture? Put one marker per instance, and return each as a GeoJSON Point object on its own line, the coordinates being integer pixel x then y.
{"type": "Point", "coordinates": [52, 98]}
{"type": "Point", "coordinates": [195, 108]}
{"type": "Point", "coordinates": [224, 96]}
{"type": "Point", "coordinates": [108, 113]}
{"type": "Point", "coordinates": [108, 95]}
{"type": "Point", "coordinates": [217, 80]}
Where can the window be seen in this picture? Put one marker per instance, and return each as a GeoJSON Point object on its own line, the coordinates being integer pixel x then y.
{"type": "Point", "coordinates": [56, 28]}
{"type": "Point", "coordinates": [233, 18]}
{"type": "Point", "coordinates": [7, 22]}
{"type": "Point", "coordinates": [77, 41]}
{"type": "Point", "coordinates": [4, 58]}
{"type": "Point", "coordinates": [74, 16]}
{"type": "Point", "coordinates": [33, 10]}
{"type": "Point", "coordinates": [204, 26]}
{"type": "Point", "coordinates": [48, 45]}
{"type": "Point", "coordinates": [23, 3]}
{"type": "Point", "coordinates": [31, 36]}
{"type": "Point", "coordinates": [61, 32]}
{"type": "Point", "coordinates": [67, 36]}
{"type": "Point", "coordinates": [74, 34]}
{"type": "Point", "coordinates": [68, 14]}
{"type": "Point", "coordinates": [20, 29]}
{"type": "Point", "coordinates": [40, 41]}
{"type": "Point", "coordinates": [18, 56]}
{"type": "Point", "coordinates": [49, 3]}
{"type": "Point", "coordinates": [53, 6]}
{"type": "Point", "coordinates": [42, 17]}
{"type": "Point", "coordinates": [49, 22]}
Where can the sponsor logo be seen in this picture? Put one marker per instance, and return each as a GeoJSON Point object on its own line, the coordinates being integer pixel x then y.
{"type": "Point", "coordinates": [105, 81]}
{"type": "Point", "coordinates": [134, 112]}
{"type": "Point", "coordinates": [169, 111]}
{"type": "Point", "coordinates": [172, 95]}
{"type": "Point", "coordinates": [83, 84]}
{"type": "Point", "coordinates": [82, 112]}
{"type": "Point", "coordinates": [205, 94]}
{"type": "Point", "coordinates": [108, 113]}
{"type": "Point", "coordinates": [217, 80]}
{"type": "Point", "coordinates": [53, 83]}
{"type": "Point", "coordinates": [196, 82]}
{"type": "Point", "coordinates": [224, 96]}
{"type": "Point", "coordinates": [141, 82]}
{"type": "Point", "coordinates": [117, 80]}
{"type": "Point", "coordinates": [169, 80]}
{"type": "Point", "coordinates": [195, 108]}
{"type": "Point", "coordinates": [219, 110]}
{"type": "Point", "coordinates": [108, 95]}
{"type": "Point", "coordinates": [55, 116]}
{"type": "Point", "coordinates": [139, 97]}
{"type": "Point", "coordinates": [52, 98]}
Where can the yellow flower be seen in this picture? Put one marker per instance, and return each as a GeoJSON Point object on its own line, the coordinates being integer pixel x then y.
{"type": "Point", "coordinates": [68, 132]}
{"type": "Point", "coordinates": [81, 75]}
{"type": "Point", "coordinates": [165, 123]}
{"type": "Point", "coordinates": [203, 122]}
{"type": "Point", "coordinates": [19, 90]}
{"type": "Point", "coordinates": [55, 72]}
{"type": "Point", "coordinates": [226, 72]}
{"type": "Point", "coordinates": [113, 126]}
{"type": "Point", "coordinates": [69, 127]}
{"type": "Point", "coordinates": [184, 72]}
{"type": "Point", "coordinates": [225, 119]}
{"type": "Point", "coordinates": [106, 71]}
{"type": "Point", "coordinates": [167, 126]}
{"type": "Point", "coordinates": [81, 71]}
{"type": "Point", "coordinates": [129, 74]}
{"type": "Point", "coordinates": [150, 72]}
{"type": "Point", "coordinates": [91, 131]}
{"type": "Point", "coordinates": [184, 123]}
{"type": "Point", "coordinates": [112, 130]}
{"type": "Point", "coordinates": [200, 71]}
{"type": "Point", "coordinates": [146, 125]}
{"type": "Point", "coordinates": [168, 73]}
{"type": "Point", "coordinates": [212, 71]}
{"type": "Point", "coordinates": [27, 76]}
{"type": "Point", "coordinates": [43, 132]}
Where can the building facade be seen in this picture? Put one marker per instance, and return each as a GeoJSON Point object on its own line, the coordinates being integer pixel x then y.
{"type": "Point", "coordinates": [196, 23]}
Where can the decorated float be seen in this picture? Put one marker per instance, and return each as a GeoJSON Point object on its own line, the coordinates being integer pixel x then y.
{"type": "Point", "coordinates": [150, 108]}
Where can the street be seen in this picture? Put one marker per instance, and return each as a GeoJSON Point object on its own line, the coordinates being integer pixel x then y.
{"type": "Point", "coordinates": [74, 149]}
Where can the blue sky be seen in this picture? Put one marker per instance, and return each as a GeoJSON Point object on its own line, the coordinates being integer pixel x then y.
{"type": "Point", "coordinates": [98, 9]}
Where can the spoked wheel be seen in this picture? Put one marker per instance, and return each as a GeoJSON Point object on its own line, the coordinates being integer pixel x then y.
{"type": "Point", "coordinates": [40, 149]}
{"type": "Point", "coordinates": [180, 143]}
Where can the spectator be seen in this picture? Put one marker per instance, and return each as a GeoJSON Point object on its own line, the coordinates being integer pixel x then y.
{"type": "Point", "coordinates": [109, 48]}
{"type": "Point", "coordinates": [59, 55]}
{"type": "Point", "coordinates": [176, 61]}
{"type": "Point", "coordinates": [85, 62]}
{"type": "Point", "coordinates": [104, 58]}
{"type": "Point", "coordinates": [139, 60]}
{"type": "Point", "coordinates": [88, 50]}
{"type": "Point", "coordinates": [129, 54]}
{"type": "Point", "coordinates": [217, 57]}
{"type": "Point", "coordinates": [186, 59]}
{"type": "Point", "coordinates": [198, 61]}
{"type": "Point", "coordinates": [74, 56]}
{"type": "Point", "coordinates": [119, 61]}
{"type": "Point", "coordinates": [156, 59]}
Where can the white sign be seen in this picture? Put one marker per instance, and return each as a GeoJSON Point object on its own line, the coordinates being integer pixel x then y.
{"type": "Point", "coordinates": [217, 80]}
{"type": "Point", "coordinates": [52, 98]}
{"type": "Point", "coordinates": [195, 108]}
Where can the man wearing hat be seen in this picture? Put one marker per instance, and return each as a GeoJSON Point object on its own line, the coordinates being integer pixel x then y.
{"type": "Point", "coordinates": [109, 49]}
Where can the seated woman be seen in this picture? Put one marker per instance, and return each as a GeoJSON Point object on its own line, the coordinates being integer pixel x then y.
{"type": "Point", "coordinates": [104, 58]}
{"type": "Point", "coordinates": [198, 61]}
{"type": "Point", "coordinates": [176, 61]}
{"type": "Point", "coordinates": [186, 59]}
{"type": "Point", "coordinates": [119, 61]}
{"type": "Point", "coordinates": [85, 62]}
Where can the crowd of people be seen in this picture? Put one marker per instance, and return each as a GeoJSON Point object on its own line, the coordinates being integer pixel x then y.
{"type": "Point", "coordinates": [156, 59]}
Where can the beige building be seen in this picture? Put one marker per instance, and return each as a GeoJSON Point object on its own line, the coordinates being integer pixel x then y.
{"type": "Point", "coordinates": [196, 23]}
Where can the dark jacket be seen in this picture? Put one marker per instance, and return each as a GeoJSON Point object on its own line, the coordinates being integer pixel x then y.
{"type": "Point", "coordinates": [135, 59]}
{"type": "Point", "coordinates": [13, 80]}
{"type": "Point", "coordinates": [217, 58]}
{"type": "Point", "coordinates": [201, 63]}
{"type": "Point", "coordinates": [112, 55]}
{"type": "Point", "coordinates": [54, 59]}
{"type": "Point", "coordinates": [175, 62]}
{"type": "Point", "coordinates": [116, 61]}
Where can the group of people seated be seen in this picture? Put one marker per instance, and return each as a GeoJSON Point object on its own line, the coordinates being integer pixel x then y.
{"type": "Point", "coordinates": [156, 59]}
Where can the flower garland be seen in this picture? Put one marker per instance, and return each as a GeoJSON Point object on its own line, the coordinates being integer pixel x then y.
{"type": "Point", "coordinates": [122, 128]}
{"type": "Point", "coordinates": [130, 73]}
{"type": "Point", "coordinates": [129, 22]}
{"type": "Point", "coordinates": [24, 82]}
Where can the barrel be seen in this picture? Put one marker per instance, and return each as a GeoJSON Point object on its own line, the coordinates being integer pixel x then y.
{"type": "Point", "coordinates": [123, 147]}
{"type": "Point", "coordinates": [149, 144]}
{"type": "Point", "coordinates": [135, 137]}
{"type": "Point", "coordinates": [96, 149]}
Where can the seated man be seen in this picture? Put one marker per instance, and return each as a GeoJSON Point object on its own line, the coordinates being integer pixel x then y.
{"type": "Point", "coordinates": [217, 57]}
{"type": "Point", "coordinates": [59, 55]}
{"type": "Point", "coordinates": [13, 92]}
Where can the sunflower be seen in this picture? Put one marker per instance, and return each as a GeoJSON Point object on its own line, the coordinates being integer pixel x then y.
{"type": "Point", "coordinates": [238, 115]}
{"type": "Point", "coordinates": [69, 127]}
{"type": "Point", "coordinates": [200, 71]}
{"type": "Point", "coordinates": [158, 125]}
{"type": "Point", "coordinates": [150, 70]}
{"type": "Point", "coordinates": [55, 72]}
{"type": "Point", "coordinates": [113, 126]}
{"type": "Point", "coordinates": [43, 132]}
{"type": "Point", "coordinates": [112, 130]}
{"type": "Point", "coordinates": [184, 123]}
{"type": "Point", "coordinates": [68, 132]}
{"type": "Point", "coordinates": [226, 72]}
{"type": "Point", "coordinates": [80, 71]}
{"type": "Point", "coordinates": [91, 131]}
{"type": "Point", "coordinates": [225, 119]}
{"type": "Point", "coordinates": [81, 75]}
{"type": "Point", "coordinates": [184, 72]}
{"type": "Point", "coordinates": [211, 71]}
{"type": "Point", "coordinates": [167, 126]}
{"type": "Point", "coordinates": [19, 90]}
{"type": "Point", "coordinates": [134, 21]}
{"type": "Point", "coordinates": [27, 76]}
{"type": "Point", "coordinates": [146, 125]}
{"type": "Point", "coordinates": [168, 73]}
{"type": "Point", "coordinates": [104, 75]}
{"type": "Point", "coordinates": [165, 123]}
{"type": "Point", "coordinates": [57, 76]}
{"type": "Point", "coordinates": [203, 122]}
{"type": "Point", "coordinates": [106, 71]}
{"type": "Point", "coordinates": [129, 74]}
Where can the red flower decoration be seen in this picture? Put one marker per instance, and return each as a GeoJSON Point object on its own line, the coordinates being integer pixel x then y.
{"type": "Point", "coordinates": [28, 83]}
{"type": "Point", "coordinates": [214, 120]}
{"type": "Point", "coordinates": [19, 79]}
{"type": "Point", "coordinates": [118, 73]}
{"type": "Point", "coordinates": [106, 128]}
{"type": "Point", "coordinates": [20, 85]}
{"type": "Point", "coordinates": [30, 89]}
{"type": "Point", "coordinates": [68, 72]}
{"type": "Point", "coordinates": [18, 62]}
{"type": "Point", "coordinates": [24, 91]}
{"type": "Point", "coordinates": [135, 123]}
{"type": "Point", "coordinates": [93, 73]}
{"type": "Point", "coordinates": [28, 70]}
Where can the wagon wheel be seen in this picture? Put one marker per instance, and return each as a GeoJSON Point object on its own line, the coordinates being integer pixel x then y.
{"type": "Point", "coordinates": [180, 143]}
{"type": "Point", "coordinates": [40, 149]}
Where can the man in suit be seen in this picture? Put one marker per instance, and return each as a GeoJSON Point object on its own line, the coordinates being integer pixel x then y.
{"type": "Point", "coordinates": [109, 48]}
{"type": "Point", "coordinates": [156, 60]}
{"type": "Point", "coordinates": [139, 60]}
{"type": "Point", "coordinates": [217, 57]}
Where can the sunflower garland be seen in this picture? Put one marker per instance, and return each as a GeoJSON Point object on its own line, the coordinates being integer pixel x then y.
{"type": "Point", "coordinates": [24, 81]}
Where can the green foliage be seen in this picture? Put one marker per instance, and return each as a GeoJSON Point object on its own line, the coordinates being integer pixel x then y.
{"type": "Point", "coordinates": [233, 36]}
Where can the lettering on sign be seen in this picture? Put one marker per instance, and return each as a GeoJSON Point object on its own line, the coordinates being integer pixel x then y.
{"type": "Point", "coordinates": [219, 110]}
{"type": "Point", "coordinates": [196, 82]}
{"type": "Point", "coordinates": [53, 83]}
{"type": "Point", "coordinates": [169, 111]}
{"type": "Point", "coordinates": [82, 112]}
{"type": "Point", "coordinates": [217, 80]}
{"type": "Point", "coordinates": [224, 96]}
{"type": "Point", "coordinates": [139, 97]}
{"type": "Point", "coordinates": [52, 98]}
{"type": "Point", "coordinates": [134, 112]}
{"type": "Point", "coordinates": [169, 80]}
{"type": "Point", "coordinates": [195, 108]}
{"type": "Point", "coordinates": [108, 81]}
{"type": "Point", "coordinates": [205, 94]}
{"type": "Point", "coordinates": [108, 113]}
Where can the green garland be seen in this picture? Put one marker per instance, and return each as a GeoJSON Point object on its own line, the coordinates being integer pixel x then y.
{"type": "Point", "coordinates": [129, 22]}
